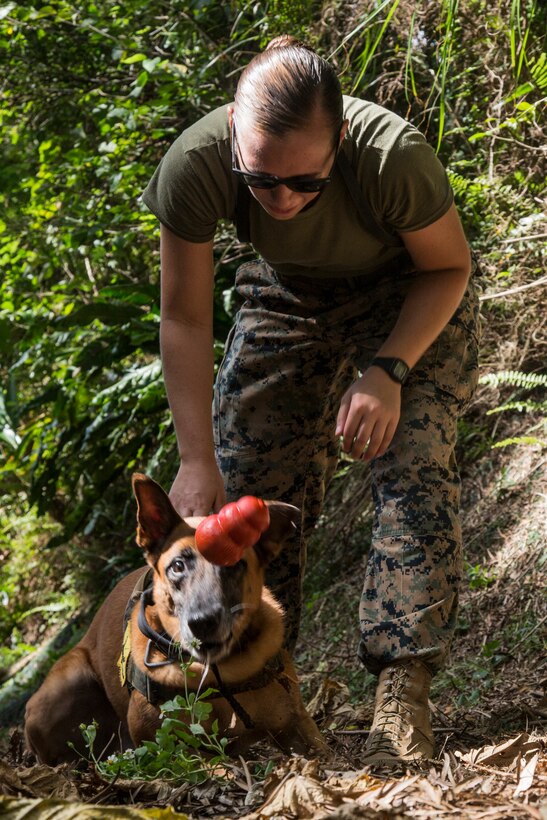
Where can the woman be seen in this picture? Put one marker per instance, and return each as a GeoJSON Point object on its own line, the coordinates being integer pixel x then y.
{"type": "Point", "coordinates": [358, 325]}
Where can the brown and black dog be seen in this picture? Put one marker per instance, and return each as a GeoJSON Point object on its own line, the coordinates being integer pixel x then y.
{"type": "Point", "coordinates": [222, 621]}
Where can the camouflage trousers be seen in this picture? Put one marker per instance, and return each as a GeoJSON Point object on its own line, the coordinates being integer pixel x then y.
{"type": "Point", "coordinates": [295, 348]}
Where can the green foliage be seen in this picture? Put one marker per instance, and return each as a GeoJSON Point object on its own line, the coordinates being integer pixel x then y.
{"type": "Point", "coordinates": [93, 94]}
{"type": "Point", "coordinates": [478, 576]}
{"type": "Point", "coordinates": [515, 378]}
{"type": "Point", "coordinates": [30, 595]}
{"type": "Point", "coordinates": [373, 29]}
{"type": "Point", "coordinates": [470, 681]}
{"type": "Point", "coordinates": [524, 382]}
{"type": "Point", "coordinates": [183, 749]}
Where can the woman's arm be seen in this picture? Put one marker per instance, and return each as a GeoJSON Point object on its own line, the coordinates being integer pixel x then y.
{"type": "Point", "coordinates": [370, 409]}
{"type": "Point", "coordinates": [186, 336]}
{"type": "Point", "coordinates": [441, 253]}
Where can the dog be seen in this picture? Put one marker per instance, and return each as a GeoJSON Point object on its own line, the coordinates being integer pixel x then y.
{"type": "Point", "coordinates": [221, 621]}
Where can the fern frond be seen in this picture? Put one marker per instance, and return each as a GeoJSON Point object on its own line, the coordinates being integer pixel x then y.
{"type": "Point", "coordinates": [539, 72]}
{"type": "Point", "coordinates": [515, 378]}
{"type": "Point", "coordinates": [472, 190]}
{"type": "Point", "coordinates": [520, 440]}
{"type": "Point", "coordinates": [520, 407]}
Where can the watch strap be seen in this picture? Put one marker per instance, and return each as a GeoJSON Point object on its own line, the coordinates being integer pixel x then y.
{"type": "Point", "coordinates": [397, 369]}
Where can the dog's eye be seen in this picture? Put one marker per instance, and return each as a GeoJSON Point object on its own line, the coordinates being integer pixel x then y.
{"type": "Point", "coordinates": [178, 566]}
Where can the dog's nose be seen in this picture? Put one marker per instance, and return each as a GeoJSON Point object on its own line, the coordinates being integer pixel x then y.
{"type": "Point", "coordinates": [205, 626]}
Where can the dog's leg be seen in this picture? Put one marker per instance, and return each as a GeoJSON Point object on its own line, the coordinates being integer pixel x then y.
{"type": "Point", "coordinates": [299, 734]}
{"type": "Point", "coordinates": [70, 696]}
{"type": "Point", "coordinates": [302, 737]}
{"type": "Point", "coordinates": [143, 719]}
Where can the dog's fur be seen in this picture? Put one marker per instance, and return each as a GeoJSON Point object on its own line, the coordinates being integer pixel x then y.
{"type": "Point", "coordinates": [221, 615]}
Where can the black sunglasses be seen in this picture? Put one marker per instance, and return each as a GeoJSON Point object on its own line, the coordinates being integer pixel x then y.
{"type": "Point", "coordinates": [302, 185]}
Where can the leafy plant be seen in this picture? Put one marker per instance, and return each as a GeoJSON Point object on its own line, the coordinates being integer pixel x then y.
{"type": "Point", "coordinates": [183, 749]}
{"type": "Point", "coordinates": [479, 577]}
{"type": "Point", "coordinates": [32, 598]}
{"type": "Point", "coordinates": [524, 382]}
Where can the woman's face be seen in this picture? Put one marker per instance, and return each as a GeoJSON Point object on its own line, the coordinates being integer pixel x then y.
{"type": "Point", "coordinates": [307, 152]}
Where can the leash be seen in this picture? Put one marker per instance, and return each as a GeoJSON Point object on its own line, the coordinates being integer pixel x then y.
{"type": "Point", "coordinates": [236, 706]}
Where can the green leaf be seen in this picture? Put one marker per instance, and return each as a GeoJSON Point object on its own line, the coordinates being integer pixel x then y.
{"type": "Point", "coordinates": [135, 58]}
{"type": "Point", "coordinates": [109, 313]}
{"type": "Point", "coordinates": [521, 440]}
{"type": "Point", "coordinates": [150, 65]}
{"type": "Point", "coordinates": [7, 9]}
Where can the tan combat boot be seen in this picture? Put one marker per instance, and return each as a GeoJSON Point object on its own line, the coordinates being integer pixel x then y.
{"type": "Point", "coordinates": [401, 729]}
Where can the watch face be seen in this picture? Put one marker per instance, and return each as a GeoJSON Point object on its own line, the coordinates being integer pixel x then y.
{"type": "Point", "coordinates": [399, 370]}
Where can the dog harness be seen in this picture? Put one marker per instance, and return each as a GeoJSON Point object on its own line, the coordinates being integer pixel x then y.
{"type": "Point", "coordinates": [156, 693]}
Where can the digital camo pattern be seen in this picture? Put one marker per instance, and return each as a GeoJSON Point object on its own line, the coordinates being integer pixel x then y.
{"type": "Point", "coordinates": [295, 348]}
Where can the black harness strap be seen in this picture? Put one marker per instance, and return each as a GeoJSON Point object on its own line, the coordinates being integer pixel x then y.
{"type": "Point", "coordinates": [164, 643]}
{"type": "Point", "coordinates": [143, 583]}
{"type": "Point", "coordinates": [273, 670]}
{"type": "Point", "coordinates": [132, 676]}
{"type": "Point", "coordinates": [154, 692]}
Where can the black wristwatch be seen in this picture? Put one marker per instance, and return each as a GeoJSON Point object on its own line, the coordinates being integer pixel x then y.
{"type": "Point", "coordinates": [395, 368]}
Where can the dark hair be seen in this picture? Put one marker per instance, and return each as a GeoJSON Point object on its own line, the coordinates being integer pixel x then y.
{"type": "Point", "coordinates": [284, 86]}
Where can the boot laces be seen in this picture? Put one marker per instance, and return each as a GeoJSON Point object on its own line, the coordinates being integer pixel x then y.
{"type": "Point", "coordinates": [388, 727]}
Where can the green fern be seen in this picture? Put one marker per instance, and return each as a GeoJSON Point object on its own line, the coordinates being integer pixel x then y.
{"type": "Point", "coordinates": [524, 382]}
{"type": "Point", "coordinates": [539, 72]}
{"type": "Point", "coordinates": [470, 190]}
{"type": "Point", "coordinates": [515, 378]}
{"type": "Point", "coordinates": [524, 406]}
{"type": "Point", "coordinates": [528, 440]}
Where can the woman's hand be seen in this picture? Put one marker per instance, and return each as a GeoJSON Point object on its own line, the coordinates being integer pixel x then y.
{"type": "Point", "coordinates": [369, 414]}
{"type": "Point", "coordinates": [198, 489]}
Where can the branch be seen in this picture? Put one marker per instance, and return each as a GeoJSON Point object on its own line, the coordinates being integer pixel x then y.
{"type": "Point", "coordinates": [523, 238]}
{"type": "Point", "coordinates": [536, 284]}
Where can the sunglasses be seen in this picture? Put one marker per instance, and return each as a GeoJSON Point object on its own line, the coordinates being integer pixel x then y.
{"type": "Point", "coordinates": [300, 184]}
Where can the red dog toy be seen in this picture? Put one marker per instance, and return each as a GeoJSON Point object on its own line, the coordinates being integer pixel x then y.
{"type": "Point", "coordinates": [223, 538]}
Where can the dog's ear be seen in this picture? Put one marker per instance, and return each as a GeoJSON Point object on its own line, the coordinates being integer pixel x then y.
{"type": "Point", "coordinates": [285, 521]}
{"type": "Point", "coordinates": [156, 516]}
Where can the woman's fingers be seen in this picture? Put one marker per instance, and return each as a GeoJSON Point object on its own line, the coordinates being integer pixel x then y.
{"type": "Point", "coordinates": [375, 440]}
{"type": "Point", "coordinates": [368, 415]}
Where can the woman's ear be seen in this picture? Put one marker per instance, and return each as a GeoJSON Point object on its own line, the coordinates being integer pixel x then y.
{"type": "Point", "coordinates": [343, 131]}
{"type": "Point", "coordinates": [230, 115]}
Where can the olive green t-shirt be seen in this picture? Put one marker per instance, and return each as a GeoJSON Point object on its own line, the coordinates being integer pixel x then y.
{"type": "Point", "coordinates": [405, 185]}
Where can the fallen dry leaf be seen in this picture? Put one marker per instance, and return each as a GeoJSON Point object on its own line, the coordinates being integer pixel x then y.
{"type": "Point", "coordinates": [331, 704]}
{"type": "Point", "coordinates": [38, 781]}
{"type": "Point", "coordinates": [504, 754]}
{"type": "Point", "coordinates": [527, 774]}
{"type": "Point", "coordinates": [298, 796]}
{"type": "Point", "coordinates": [38, 809]}
{"type": "Point", "coordinates": [382, 798]}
